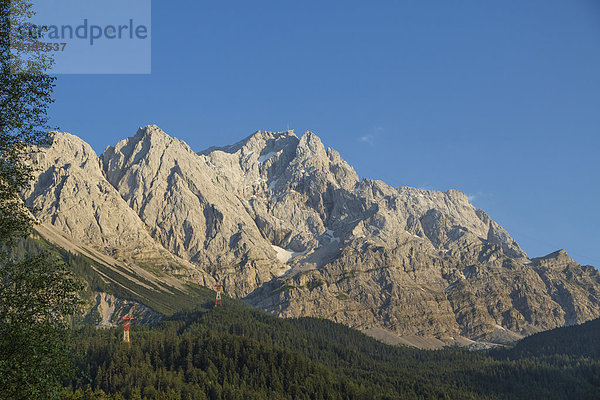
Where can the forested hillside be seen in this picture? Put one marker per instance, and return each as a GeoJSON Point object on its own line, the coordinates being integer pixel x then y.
{"type": "Point", "coordinates": [234, 352]}
{"type": "Point", "coordinates": [237, 352]}
{"type": "Point", "coordinates": [581, 341]}
{"type": "Point", "coordinates": [113, 279]}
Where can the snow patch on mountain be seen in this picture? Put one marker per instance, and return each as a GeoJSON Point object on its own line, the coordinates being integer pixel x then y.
{"type": "Point", "coordinates": [331, 235]}
{"type": "Point", "coordinates": [266, 157]}
{"type": "Point", "coordinates": [285, 255]}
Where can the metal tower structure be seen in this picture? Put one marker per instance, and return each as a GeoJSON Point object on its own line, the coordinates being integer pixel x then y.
{"type": "Point", "coordinates": [218, 301]}
{"type": "Point", "coordinates": [126, 320]}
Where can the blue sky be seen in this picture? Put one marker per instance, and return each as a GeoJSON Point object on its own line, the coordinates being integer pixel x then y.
{"type": "Point", "coordinates": [500, 100]}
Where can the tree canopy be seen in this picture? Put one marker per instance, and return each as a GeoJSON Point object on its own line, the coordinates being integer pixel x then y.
{"type": "Point", "coordinates": [37, 293]}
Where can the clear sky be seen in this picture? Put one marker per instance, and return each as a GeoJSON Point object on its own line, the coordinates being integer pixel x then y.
{"type": "Point", "coordinates": [500, 100]}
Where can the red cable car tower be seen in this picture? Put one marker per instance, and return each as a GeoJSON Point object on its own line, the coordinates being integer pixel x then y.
{"type": "Point", "coordinates": [218, 301]}
{"type": "Point", "coordinates": [126, 320]}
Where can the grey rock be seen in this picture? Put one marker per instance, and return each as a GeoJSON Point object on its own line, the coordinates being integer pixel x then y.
{"type": "Point", "coordinates": [286, 224]}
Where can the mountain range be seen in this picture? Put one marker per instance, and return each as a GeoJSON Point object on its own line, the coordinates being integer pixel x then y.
{"type": "Point", "coordinates": [287, 225]}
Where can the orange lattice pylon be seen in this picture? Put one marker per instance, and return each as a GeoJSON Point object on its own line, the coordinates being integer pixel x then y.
{"type": "Point", "coordinates": [126, 320]}
{"type": "Point", "coordinates": [218, 301]}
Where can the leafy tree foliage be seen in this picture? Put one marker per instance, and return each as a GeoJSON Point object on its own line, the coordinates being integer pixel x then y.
{"type": "Point", "coordinates": [25, 95]}
{"type": "Point", "coordinates": [35, 296]}
{"type": "Point", "coordinates": [37, 292]}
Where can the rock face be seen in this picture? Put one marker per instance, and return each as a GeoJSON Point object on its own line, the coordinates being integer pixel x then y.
{"type": "Point", "coordinates": [286, 224]}
{"type": "Point", "coordinates": [72, 194]}
{"type": "Point", "coordinates": [108, 310]}
{"type": "Point", "coordinates": [180, 197]}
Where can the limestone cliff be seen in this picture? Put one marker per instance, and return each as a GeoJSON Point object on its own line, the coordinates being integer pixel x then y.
{"type": "Point", "coordinates": [288, 225]}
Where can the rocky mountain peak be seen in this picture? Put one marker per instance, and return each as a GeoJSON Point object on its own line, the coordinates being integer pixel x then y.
{"type": "Point", "coordinates": [557, 259]}
{"type": "Point", "coordinates": [258, 139]}
{"type": "Point", "coordinates": [150, 137]}
{"type": "Point", "coordinates": [558, 255]}
{"type": "Point", "coordinates": [311, 145]}
{"type": "Point", "coordinates": [277, 134]}
{"type": "Point", "coordinates": [152, 130]}
{"type": "Point", "coordinates": [67, 149]}
{"type": "Point", "coordinates": [74, 196]}
{"type": "Point", "coordinates": [457, 195]}
{"type": "Point", "coordinates": [285, 223]}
